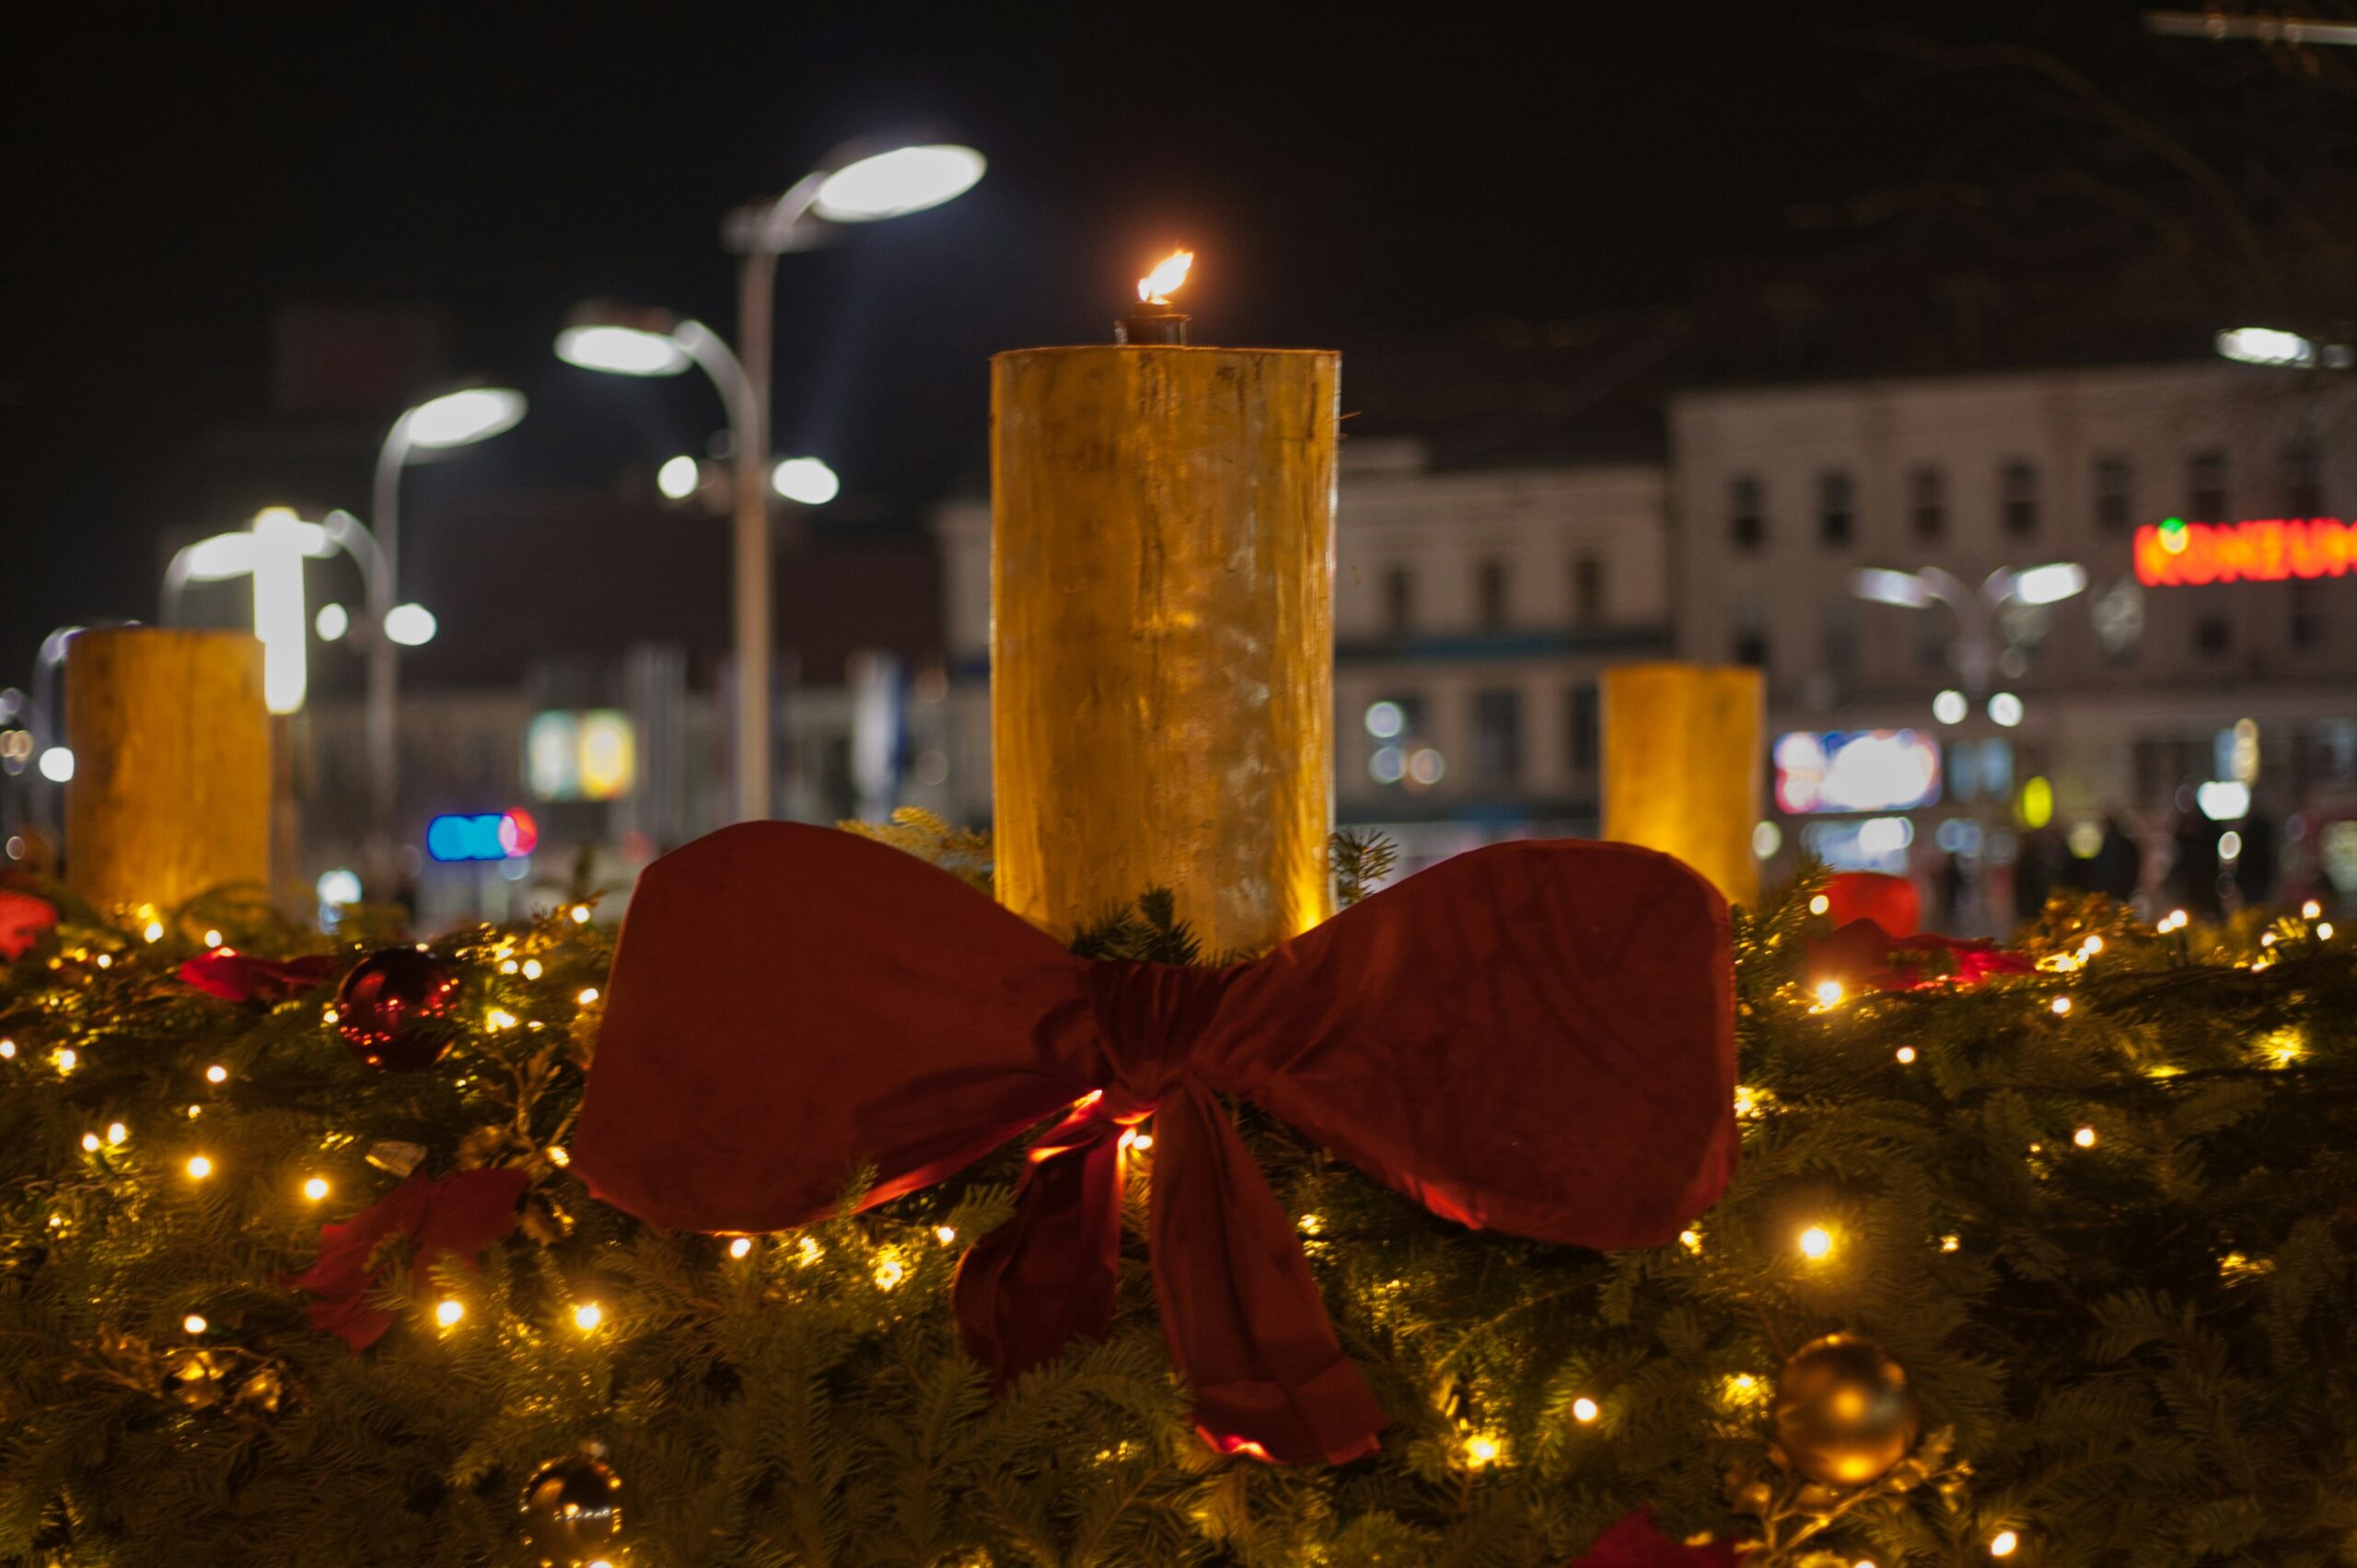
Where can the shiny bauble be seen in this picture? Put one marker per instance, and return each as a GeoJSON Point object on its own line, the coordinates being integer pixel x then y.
{"type": "Point", "coordinates": [573, 1510]}
{"type": "Point", "coordinates": [197, 1378]}
{"type": "Point", "coordinates": [394, 1009]}
{"type": "Point", "coordinates": [1845, 1412]}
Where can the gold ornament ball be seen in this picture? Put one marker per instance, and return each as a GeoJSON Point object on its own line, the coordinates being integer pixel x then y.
{"type": "Point", "coordinates": [1845, 1412]}
{"type": "Point", "coordinates": [573, 1510]}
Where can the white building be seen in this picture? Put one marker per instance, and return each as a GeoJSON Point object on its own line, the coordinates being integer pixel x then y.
{"type": "Point", "coordinates": [1781, 494]}
{"type": "Point", "coordinates": [1473, 608]}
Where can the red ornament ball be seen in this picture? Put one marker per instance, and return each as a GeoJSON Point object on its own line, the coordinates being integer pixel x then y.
{"type": "Point", "coordinates": [394, 1009]}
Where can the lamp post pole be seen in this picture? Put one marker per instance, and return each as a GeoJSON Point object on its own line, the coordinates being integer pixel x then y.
{"type": "Point", "coordinates": [384, 669]}
{"type": "Point", "coordinates": [755, 580]}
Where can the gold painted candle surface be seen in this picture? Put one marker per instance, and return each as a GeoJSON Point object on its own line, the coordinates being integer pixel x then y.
{"type": "Point", "coordinates": [1162, 634]}
{"type": "Point", "coordinates": [171, 788]}
{"type": "Point", "coordinates": [1683, 762]}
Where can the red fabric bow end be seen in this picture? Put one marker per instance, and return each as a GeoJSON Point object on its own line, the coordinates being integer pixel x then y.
{"type": "Point", "coordinates": [22, 920]}
{"type": "Point", "coordinates": [457, 1216]}
{"type": "Point", "coordinates": [1634, 1542]}
{"type": "Point", "coordinates": [240, 977]}
{"type": "Point", "coordinates": [1890, 901]}
{"type": "Point", "coordinates": [1863, 956]}
{"type": "Point", "coordinates": [1537, 1037]}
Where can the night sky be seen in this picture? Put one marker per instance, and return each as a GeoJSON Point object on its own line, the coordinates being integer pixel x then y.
{"type": "Point", "coordinates": [1346, 175]}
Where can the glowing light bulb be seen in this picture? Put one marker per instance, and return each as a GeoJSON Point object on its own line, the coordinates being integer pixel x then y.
{"type": "Point", "coordinates": [588, 995]}
{"type": "Point", "coordinates": [66, 1058]}
{"type": "Point", "coordinates": [7, 1051]}
{"type": "Point", "coordinates": [2324, 930]}
{"type": "Point", "coordinates": [2002, 1543]}
{"type": "Point", "coordinates": [448, 1313]}
{"type": "Point", "coordinates": [2093, 946]}
{"type": "Point", "coordinates": [1906, 1054]}
{"type": "Point", "coordinates": [216, 1074]}
{"type": "Point", "coordinates": [117, 1133]}
{"type": "Point", "coordinates": [559, 1156]}
{"type": "Point", "coordinates": [194, 1323]}
{"type": "Point", "coordinates": [90, 1143]}
{"type": "Point", "coordinates": [106, 960]}
{"type": "Point", "coordinates": [198, 1167]}
{"type": "Point", "coordinates": [1585, 1410]}
{"type": "Point", "coordinates": [1144, 1141]}
{"type": "Point", "coordinates": [510, 967]}
{"type": "Point", "coordinates": [2061, 1004]}
{"type": "Point", "coordinates": [1817, 1242]}
{"type": "Point", "coordinates": [1950, 1242]}
{"type": "Point", "coordinates": [213, 939]}
{"type": "Point", "coordinates": [2310, 909]}
{"type": "Point", "coordinates": [1311, 1223]}
{"type": "Point", "coordinates": [889, 1272]}
{"type": "Point", "coordinates": [1828, 992]}
{"type": "Point", "coordinates": [1690, 1240]}
{"type": "Point", "coordinates": [315, 1188]}
{"type": "Point", "coordinates": [944, 1233]}
{"type": "Point", "coordinates": [500, 1018]}
{"type": "Point", "coordinates": [581, 914]}
{"type": "Point", "coordinates": [154, 931]}
{"type": "Point", "coordinates": [588, 1316]}
{"type": "Point", "coordinates": [741, 1247]}
{"type": "Point", "coordinates": [1819, 904]}
{"type": "Point", "coordinates": [1481, 1450]}
{"type": "Point", "coordinates": [2084, 1137]}
{"type": "Point", "coordinates": [808, 1251]}
{"type": "Point", "coordinates": [531, 969]}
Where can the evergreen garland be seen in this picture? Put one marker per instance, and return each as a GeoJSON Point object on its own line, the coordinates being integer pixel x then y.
{"type": "Point", "coordinates": [2111, 1245]}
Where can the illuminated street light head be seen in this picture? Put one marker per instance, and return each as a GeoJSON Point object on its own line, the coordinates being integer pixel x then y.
{"type": "Point", "coordinates": [1882, 586]}
{"type": "Point", "coordinates": [895, 183]}
{"type": "Point", "coordinates": [2050, 584]}
{"type": "Point", "coordinates": [460, 418]}
{"type": "Point", "coordinates": [623, 342]}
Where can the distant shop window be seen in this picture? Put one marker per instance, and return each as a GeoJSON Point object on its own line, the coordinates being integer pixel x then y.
{"type": "Point", "coordinates": [1497, 734]}
{"type": "Point", "coordinates": [1927, 501]}
{"type": "Point", "coordinates": [2304, 625]}
{"type": "Point", "coordinates": [1747, 514]}
{"type": "Point", "coordinates": [1588, 591]}
{"type": "Point", "coordinates": [2303, 481]}
{"type": "Point", "coordinates": [1751, 637]}
{"type": "Point", "coordinates": [1399, 601]}
{"type": "Point", "coordinates": [2206, 487]}
{"type": "Point", "coordinates": [2211, 636]}
{"type": "Point", "coordinates": [1836, 508]}
{"type": "Point", "coordinates": [2017, 496]}
{"type": "Point", "coordinates": [1585, 728]}
{"type": "Point", "coordinates": [2114, 500]}
{"type": "Point", "coordinates": [1491, 591]}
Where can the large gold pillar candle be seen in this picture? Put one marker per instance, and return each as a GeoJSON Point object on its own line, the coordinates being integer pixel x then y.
{"type": "Point", "coordinates": [1162, 639]}
{"type": "Point", "coordinates": [171, 786]}
{"type": "Point", "coordinates": [1683, 761]}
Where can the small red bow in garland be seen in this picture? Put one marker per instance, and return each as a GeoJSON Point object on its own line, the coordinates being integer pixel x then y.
{"type": "Point", "coordinates": [1537, 1037]}
{"type": "Point", "coordinates": [22, 920]}
{"type": "Point", "coordinates": [1870, 948]}
{"type": "Point", "coordinates": [1634, 1542]}
{"type": "Point", "coordinates": [418, 1221]}
{"type": "Point", "coordinates": [241, 977]}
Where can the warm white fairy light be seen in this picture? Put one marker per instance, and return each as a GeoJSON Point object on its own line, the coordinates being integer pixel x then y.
{"type": "Point", "coordinates": [198, 1167]}
{"type": "Point", "coordinates": [946, 1234]}
{"type": "Point", "coordinates": [1828, 992]}
{"type": "Point", "coordinates": [890, 1270]}
{"type": "Point", "coordinates": [1906, 1054]}
{"type": "Point", "coordinates": [2002, 1543]}
{"type": "Point", "coordinates": [741, 1247]}
{"type": "Point", "coordinates": [588, 1316]}
{"type": "Point", "coordinates": [581, 914]}
{"type": "Point", "coordinates": [510, 967]}
{"type": "Point", "coordinates": [216, 1074]}
{"type": "Point", "coordinates": [90, 1143]}
{"type": "Point", "coordinates": [2061, 1005]}
{"type": "Point", "coordinates": [588, 995]}
{"type": "Point", "coordinates": [2084, 1137]}
{"type": "Point", "coordinates": [448, 1313]}
{"type": "Point", "coordinates": [808, 1251]}
{"type": "Point", "coordinates": [117, 1133]}
{"type": "Point", "coordinates": [531, 969]}
{"type": "Point", "coordinates": [153, 931]}
{"type": "Point", "coordinates": [194, 1323]}
{"type": "Point", "coordinates": [500, 1018]}
{"type": "Point", "coordinates": [1817, 1242]}
{"type": "Point", "coordinates": [7, 1051]}
{"type": "Point", "coordinates": [106, 960]}
{"type": "Point", "coordinates": [559, 1156]}
{"type": "Point", "coordinates": [1690, 1240]}
{"type": "Point", "coordinates": [1482, 1450]}
{"type": "Point", "coordinates": [213, 939]}
{"type": "Point", "coordinates": [1585, 1410]}
{"type": "Point", "coordinates": [1950, 1242]}
{"type": "Point", "coordinates": [2310, 909]}
{"type": "Point", "coordinates": [66, 1058]}
{"type": "Point", "coordinates": [1819, 904]}
{"type": "Point", "coordinates": [315, 1188]}
{"type": "Point", "coordinates": [2324, 930]}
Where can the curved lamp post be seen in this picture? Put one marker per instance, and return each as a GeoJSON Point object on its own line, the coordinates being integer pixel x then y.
{"type": "Point", "coordinates": [1975, 611]}
{"type": "Point", "coordinates": [858, 182]}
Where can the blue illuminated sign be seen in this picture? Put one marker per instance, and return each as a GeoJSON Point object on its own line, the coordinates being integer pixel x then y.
{"type": "Point", "coordinates": [483, 835]}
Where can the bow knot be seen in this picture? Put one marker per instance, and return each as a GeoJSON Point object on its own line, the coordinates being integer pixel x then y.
{"type": "Point", "coordinates": [1536, 1036]}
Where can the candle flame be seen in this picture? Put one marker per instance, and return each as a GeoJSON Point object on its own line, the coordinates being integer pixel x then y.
{"type": "Point", "coordinates": [1169, 273]}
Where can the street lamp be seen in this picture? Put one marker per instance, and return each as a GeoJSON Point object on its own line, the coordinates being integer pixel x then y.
{"type": "Point", "coordinates": [455, 419]}
{"type": "Point", "coordinates": [1975, 611]}
{"type": "Point", "coordinates": [2271, 345]}
{"type": "Point", "coordinates": [859, 182]}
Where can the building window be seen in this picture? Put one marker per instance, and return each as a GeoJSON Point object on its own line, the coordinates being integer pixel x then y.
{"type": "Point", "coordinates": [1588, 591]}
{"type": "Point", "coordinates": [1933, 639]}
{"type": "Point", "coordinates": [2303, 481]}
{"type": "Point", "coordinates": [1841, 638]}
{"type": "Point", "coordinates": [1836, 513]}
{"type": "Point", "coordinates": [2304, 625]}
{"type": "Point", "coordinates": [1927, 501]}
{"type": "Point", "coordinates": [2211, 636]}
{"type": "Point", "coordinates": [2017, 496]}
{"type": "Point", "coordinates": [1585, 728]}
{"type": "Point", "coordinates": [2206, 487]}
{"type": "Point", "coordinates": [2113, 501]}
{"type": "Point", "coordinates": [1497, 734]}
{"type": "Point", "coordinates": [1747, 514]}
{"type": "Point", "coordinates": [1750, 636]}
{"type": "Point", "coordinates": [1490, 592]}
{"type": "Point", "coordinates": [1399, 601]}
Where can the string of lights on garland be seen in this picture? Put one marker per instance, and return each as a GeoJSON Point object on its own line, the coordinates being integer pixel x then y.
{"type": "Point", "coordinates": [2038, 1254]}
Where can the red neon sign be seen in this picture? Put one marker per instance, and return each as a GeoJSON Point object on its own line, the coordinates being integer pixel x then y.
{"type": "Point", "coordinates": [2264, 550]}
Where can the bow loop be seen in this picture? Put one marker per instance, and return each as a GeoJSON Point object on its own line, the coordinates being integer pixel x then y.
{"type": "Point", "coordinates": [1538, 1037]}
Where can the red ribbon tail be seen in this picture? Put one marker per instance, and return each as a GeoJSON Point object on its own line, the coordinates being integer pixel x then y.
{"type": "Point", "coordinates": [1248, 1329]}
{"type": "Point", "coordinates": [1029, 1288]}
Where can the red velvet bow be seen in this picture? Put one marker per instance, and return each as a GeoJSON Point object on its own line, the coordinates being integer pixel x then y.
{"type": "Point", "coordinates": [1536, 1036]}
{"type": "Point", "coordinates": [241, 977]}
{"type": "Point", "coordinates": [1890, 901]}
{"type": "Point", "coordinates": [456, 1216]}
{"type": "Point", "coordinates": [1863, 956]}
{"type": "Point", "coordinates": [1634, 1542]}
